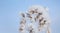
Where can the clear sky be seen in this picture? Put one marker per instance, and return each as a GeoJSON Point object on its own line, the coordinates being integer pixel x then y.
{"type": "Point", "coordinates": [9, 13]}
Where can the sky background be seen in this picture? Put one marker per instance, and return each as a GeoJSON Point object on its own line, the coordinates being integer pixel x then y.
{"type": "Point", "coordinates": [9, 13]}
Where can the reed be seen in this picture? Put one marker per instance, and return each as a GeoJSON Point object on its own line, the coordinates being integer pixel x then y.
{"type": "Point", "coordinates": [35, 20]}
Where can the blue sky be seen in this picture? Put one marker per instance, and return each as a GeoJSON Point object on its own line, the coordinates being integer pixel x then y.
{"type": "Point", "coordinates": [9, 13]}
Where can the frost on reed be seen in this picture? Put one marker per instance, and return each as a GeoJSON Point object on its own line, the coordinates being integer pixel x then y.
{"type": "Point", "coordinates": [35, 20]}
